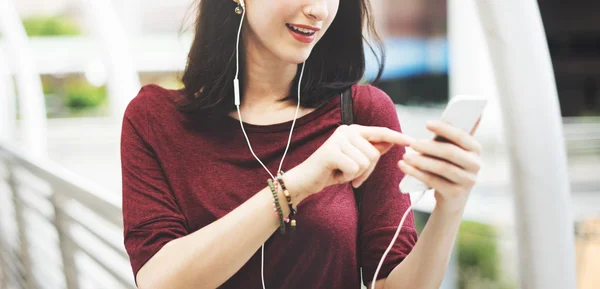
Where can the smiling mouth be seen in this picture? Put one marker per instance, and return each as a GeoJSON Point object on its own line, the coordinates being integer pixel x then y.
{"type": "Point", "coordinates": [299, 30]}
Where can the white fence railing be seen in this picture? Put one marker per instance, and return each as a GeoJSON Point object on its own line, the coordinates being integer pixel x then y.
{"type": "Point", "coordinates": [582, 134]}
{"type": "Point", "coordinates": [57, 230]}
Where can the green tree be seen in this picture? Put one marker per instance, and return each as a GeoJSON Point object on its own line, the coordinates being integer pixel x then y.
{"type": "Point", "coordinates": [50, 26]}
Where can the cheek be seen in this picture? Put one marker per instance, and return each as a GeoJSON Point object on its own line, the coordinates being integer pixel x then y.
{"type": "Point", "coordinates": [267, 20]}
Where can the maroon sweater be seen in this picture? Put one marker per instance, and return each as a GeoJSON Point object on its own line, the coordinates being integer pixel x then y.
{"type": "Point", "coordinates": [180, 175]}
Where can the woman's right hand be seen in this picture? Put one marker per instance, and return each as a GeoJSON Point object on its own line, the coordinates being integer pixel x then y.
{"type": "Point", "coordinates": [349, 155]}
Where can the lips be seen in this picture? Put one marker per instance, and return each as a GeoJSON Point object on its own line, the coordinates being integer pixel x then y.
{"type": "Point", "coordinates": [302, 33]}
{"type": "Point", "coordinates": [305, 30]}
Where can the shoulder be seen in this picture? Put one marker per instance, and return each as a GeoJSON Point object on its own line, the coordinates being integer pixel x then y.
{"type": "Point", "coordinates": [151, 106]}
{"type": "Point", "coordinates": [153, 101]}
{"type": "Point", "coordinates": [374, 107]}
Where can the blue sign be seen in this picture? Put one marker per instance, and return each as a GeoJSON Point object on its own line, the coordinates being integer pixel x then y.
{"type": "Point", "coordinates": [407, 56]}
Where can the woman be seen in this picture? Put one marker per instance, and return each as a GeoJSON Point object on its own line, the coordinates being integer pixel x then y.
{"type": "Point", "coordinates": [211, 199]}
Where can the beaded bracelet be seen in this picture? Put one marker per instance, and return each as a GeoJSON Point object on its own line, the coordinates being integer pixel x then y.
{"type": "Point", "coordinates": [277, 207]}
{"type": "Point", "coordinates": [276, 203]}
{"type": "Point", "coordinates": [289, 200]}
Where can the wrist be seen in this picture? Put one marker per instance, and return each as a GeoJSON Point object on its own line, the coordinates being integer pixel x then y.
{"type": "Point", "coordinates": [450, 207]}
{"type": "Point", "coordinates": [295, 185]}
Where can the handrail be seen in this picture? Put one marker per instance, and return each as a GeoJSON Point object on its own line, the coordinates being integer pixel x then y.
{"type": "Point", "coordinates": [57, 213]}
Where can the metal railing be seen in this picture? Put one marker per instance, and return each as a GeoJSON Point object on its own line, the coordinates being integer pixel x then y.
{"type": "Point", "coordinates": [57, 230]}
{"type": "Point", "coordinates": [582, 134]}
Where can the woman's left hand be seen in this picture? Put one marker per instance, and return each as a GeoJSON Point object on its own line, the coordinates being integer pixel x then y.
{"type": "Point", "coordinates": [450, 168]}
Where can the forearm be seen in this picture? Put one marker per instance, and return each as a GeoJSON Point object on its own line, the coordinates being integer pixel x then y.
{"type": "Point", "coordinates": [425, 266]}
{"type": "Point", "coordinates": [210, 256]}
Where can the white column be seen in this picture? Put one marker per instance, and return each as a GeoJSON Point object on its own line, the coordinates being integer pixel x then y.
{"type": "Point", "coordinates": [31, 97]}
{"type": "Point", "coordinates": [533, 128]}
{"type": "Point", "coordinates": [8, 102]}
{"type": "Point", "coordinates": [123, 79]}
{"type": "Point", "coordinates": [470, 68]}
{"type": "Point", "coordinates": [129, 14]}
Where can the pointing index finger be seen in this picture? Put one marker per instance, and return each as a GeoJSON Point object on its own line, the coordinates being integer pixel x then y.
{"type": "Point", "coordinates": [383, 134]}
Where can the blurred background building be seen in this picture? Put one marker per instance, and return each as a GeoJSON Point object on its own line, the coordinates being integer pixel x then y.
{"type": "Point", "coordinates": [73, 49]}
{"type": "Point", "coordinates": [573, 33]}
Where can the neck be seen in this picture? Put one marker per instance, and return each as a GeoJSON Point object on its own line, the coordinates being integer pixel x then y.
{"type": "Point", "coordinates": [267, 79]}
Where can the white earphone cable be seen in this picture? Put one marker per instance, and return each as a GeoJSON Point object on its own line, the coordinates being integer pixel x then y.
{"type": "Point", "coordinates": [395, 237]}
{"type": "Point", "coordinates": [237, 103]}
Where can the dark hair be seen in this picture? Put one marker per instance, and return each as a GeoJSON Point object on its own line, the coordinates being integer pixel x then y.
{"type": "Point", "coordinates": [336, 62]}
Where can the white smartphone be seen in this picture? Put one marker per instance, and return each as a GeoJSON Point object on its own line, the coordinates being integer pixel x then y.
{"type": "Point", "coordinates": [463, 112]}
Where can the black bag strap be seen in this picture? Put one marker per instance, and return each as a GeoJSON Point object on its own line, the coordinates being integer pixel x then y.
{"type": "Point", "coordinates": [348, 119]}
{"type": "Point", "coordinates": [347, 112]}
{"type": "Point", "coordinates": [346, 104]}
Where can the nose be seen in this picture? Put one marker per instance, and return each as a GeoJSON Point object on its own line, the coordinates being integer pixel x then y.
{"type": "Point", "coordinates": [316, 10]}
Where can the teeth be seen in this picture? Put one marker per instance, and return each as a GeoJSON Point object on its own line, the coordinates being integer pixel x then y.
{"type": "Point", "coordinates": [303, 30]}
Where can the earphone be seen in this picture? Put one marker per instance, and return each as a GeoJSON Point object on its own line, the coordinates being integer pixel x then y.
{"type": "Point", "coordinates": [236, 88]}
{"type": "Point", "coordinates": [236, 81]}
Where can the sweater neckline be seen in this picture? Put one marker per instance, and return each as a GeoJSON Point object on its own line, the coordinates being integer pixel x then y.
{"type": "Point", "coordinates": [284, 126]}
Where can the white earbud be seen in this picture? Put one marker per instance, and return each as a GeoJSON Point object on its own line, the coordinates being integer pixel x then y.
{"type": "Point", "coordinates": [236, 82]}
